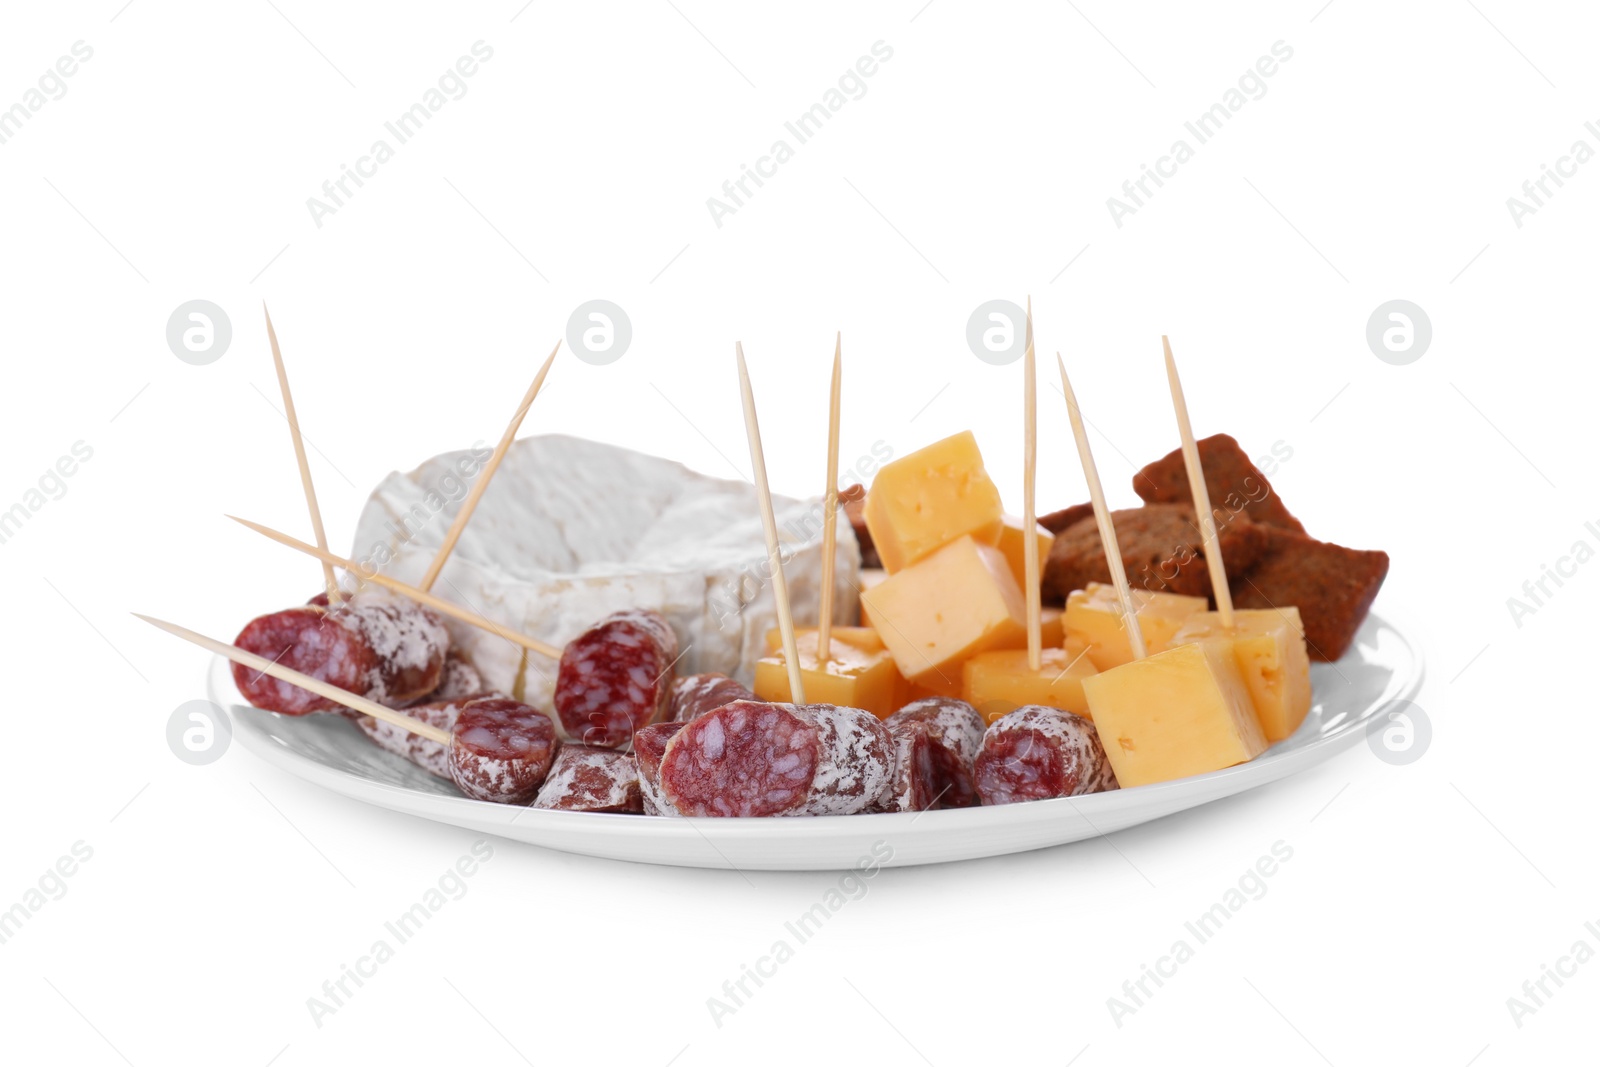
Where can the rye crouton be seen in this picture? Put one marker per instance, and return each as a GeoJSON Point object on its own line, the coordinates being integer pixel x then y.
{"type": "Point", "coordinates": [1161, 551]}
{"type": "Point", "coordinates": [1057, 521]}
{"type": "Point", "coordinates": [1233, 482]}
{"type": "Point", "coordinates": [1332, 586]}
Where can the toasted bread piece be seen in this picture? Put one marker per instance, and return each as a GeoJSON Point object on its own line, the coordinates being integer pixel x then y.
{"type": "Point", "coordinates": [854, 502]}
{"type": "Point", "coordinates": [1233, 482]}
{"type": "Point", "coordinates": [1057, 521]}
{"type": "Point", "coordinates": [1332, 586]}
{"type": "Point", "coordinates": [1161, 551]}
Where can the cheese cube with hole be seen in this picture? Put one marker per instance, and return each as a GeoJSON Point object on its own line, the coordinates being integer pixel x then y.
{"type": "Point", "coordinates": [1180, 712]}
{"type": "Point", "coordinates": [849, 677]}
{"type": "Point", "coordinates": [922, 502]}
{"type": "Point", "coordinates": [863, 637]}
{"type": "Point", "coordinates": [999, 682]}
{"type": "Point", "coordinates": [958, 602]}
{"type": "Point", "coordinates": [1094, 615]}
{"type": "Point", "coordinates": [1011, 544]}
{"type": "Point", "coordinates": [1269, 645]}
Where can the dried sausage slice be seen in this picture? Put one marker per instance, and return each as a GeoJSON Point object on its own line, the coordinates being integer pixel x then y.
{"type": "Point", "coordinates": [500, 750]}
{"type": "Point", "coordinates": [1036, 753]}
{"type": "Point", "coordinates": [307, 640]}
{"type": "Point", "coordinates": [751, 759]}
{"type": "Point", "coordinates": [585, 778]}
{"type": "Point", "coordinates": [409, 641]}
{"type": "Point", "coordinates": [459, 680]}
{"type": "Point", "coordinates": [430, 755]}
{"type": "Point", "coordinates": [742, 760]}
{"type": "Point", "coordinates": [649, 745]}
{"type": "Point", "coordinates": [374, 645]}
{"type": "Point", "coordinates": [856, 763]}
{"type": "Point", "coordinates": [695, 694]}
{"type": "Point", "coordinates": [616, 677]}
{"type": "Point", "coordinates": [935, 742]}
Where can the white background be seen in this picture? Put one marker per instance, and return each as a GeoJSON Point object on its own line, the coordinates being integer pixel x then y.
{"type": "Point", "coordinates": [977, 165]}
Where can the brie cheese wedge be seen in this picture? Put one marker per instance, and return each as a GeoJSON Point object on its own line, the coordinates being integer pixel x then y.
{"type": "Point", "coordinates": [571, 530]}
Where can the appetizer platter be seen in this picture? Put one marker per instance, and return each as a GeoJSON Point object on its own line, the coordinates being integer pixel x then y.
{"type": "Point", "coordinates": [606, 653]}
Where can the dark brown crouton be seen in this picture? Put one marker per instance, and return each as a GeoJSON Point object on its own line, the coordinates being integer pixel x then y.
{"type": "Point", "coordinates": [1161, 551]}
{"type": "Point", "coordinates": [1233, 482]}
{"type": "Point", "coordinates": [1332, 586]}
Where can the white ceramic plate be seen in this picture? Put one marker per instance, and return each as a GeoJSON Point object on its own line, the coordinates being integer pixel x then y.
{"type": "Point", "coordinates": [1384, 666]}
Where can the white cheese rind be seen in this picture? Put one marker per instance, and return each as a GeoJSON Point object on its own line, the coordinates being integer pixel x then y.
{"type": "Point", "coordinates": [571, 530]}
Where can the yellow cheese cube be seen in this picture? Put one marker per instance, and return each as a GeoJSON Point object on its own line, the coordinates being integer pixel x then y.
{"type": "Point", "coordinates": [863, 637]}
{"type": "Point", "coordinates": [957, 602]}
{"type": "Point", "coordinates": [1180, 712]}
{"type": "Point", "coordinates": [1095, 616]}
{"type": "Point", "coordinates": [1052, 627]}
{"type": "Point", "coordinates": [946, 685]}
{"type": "Point", "coordinates": [910, 692]}
{"type": "Point", "coordinates": [924, 501]}
{"type": "Point", "coordinates": [999, 682]}
{"type": "Point", "coordinates": [1011, 545]}
{"type": "Point", "coordinates": [871, 576]}
{"type": "Point", "coordinates": [850, 677]}
{"type": "Point", "coordinates": [1269, 645]}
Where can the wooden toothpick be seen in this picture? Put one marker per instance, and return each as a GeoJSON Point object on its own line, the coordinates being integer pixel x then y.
{"type": "Point", "coordinates": [1201, 495]}
{"type": "Point", "coordinates": [429, 600]}
{"type": "Point", "coordinates": [1102, 518]}
{"type": "Point", "coordinates": [476, 493]}
{"type": "Point", "coordinates": [830, 514]}
{"type": "Point", "coordinates": [304, 681]}
{"type": "Point", "coordinates": [329, 581]}
{"type": "Point", "coordinates": [769, 522]}
{"type": "Point", "coordinates": [1030, 523]}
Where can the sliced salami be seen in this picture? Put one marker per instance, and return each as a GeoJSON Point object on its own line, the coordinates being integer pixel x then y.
{"type": "Point", "coordinates": [751, 759]}
{"type": "Point", "coordinates": [375, 645]}
{"type": "Point", "coordinates": [430, 755]}
{"type": "Point", "coordinates": [585, 778]}
{"type": "Point", "coordinates": [500, 750]}
{"type": "Point", "coordinates": [305, 639]}
{"type": "Point", "coordinates": [409, 641]}
{"type": "Point", "coordinates": [616, 677]}
{"type": "Point", "coordinates": [459, 680]}
{"type": "Point", "coordinates": [935, 743]}
{"type": "Point", "coordinates": [1036, 753]}
{"type": "Point", "coordinates": [856, 762]}
{"type": "Point", "coordinates": [695, 694]}
{"type": "Point", "coordinates": [649, 745]}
